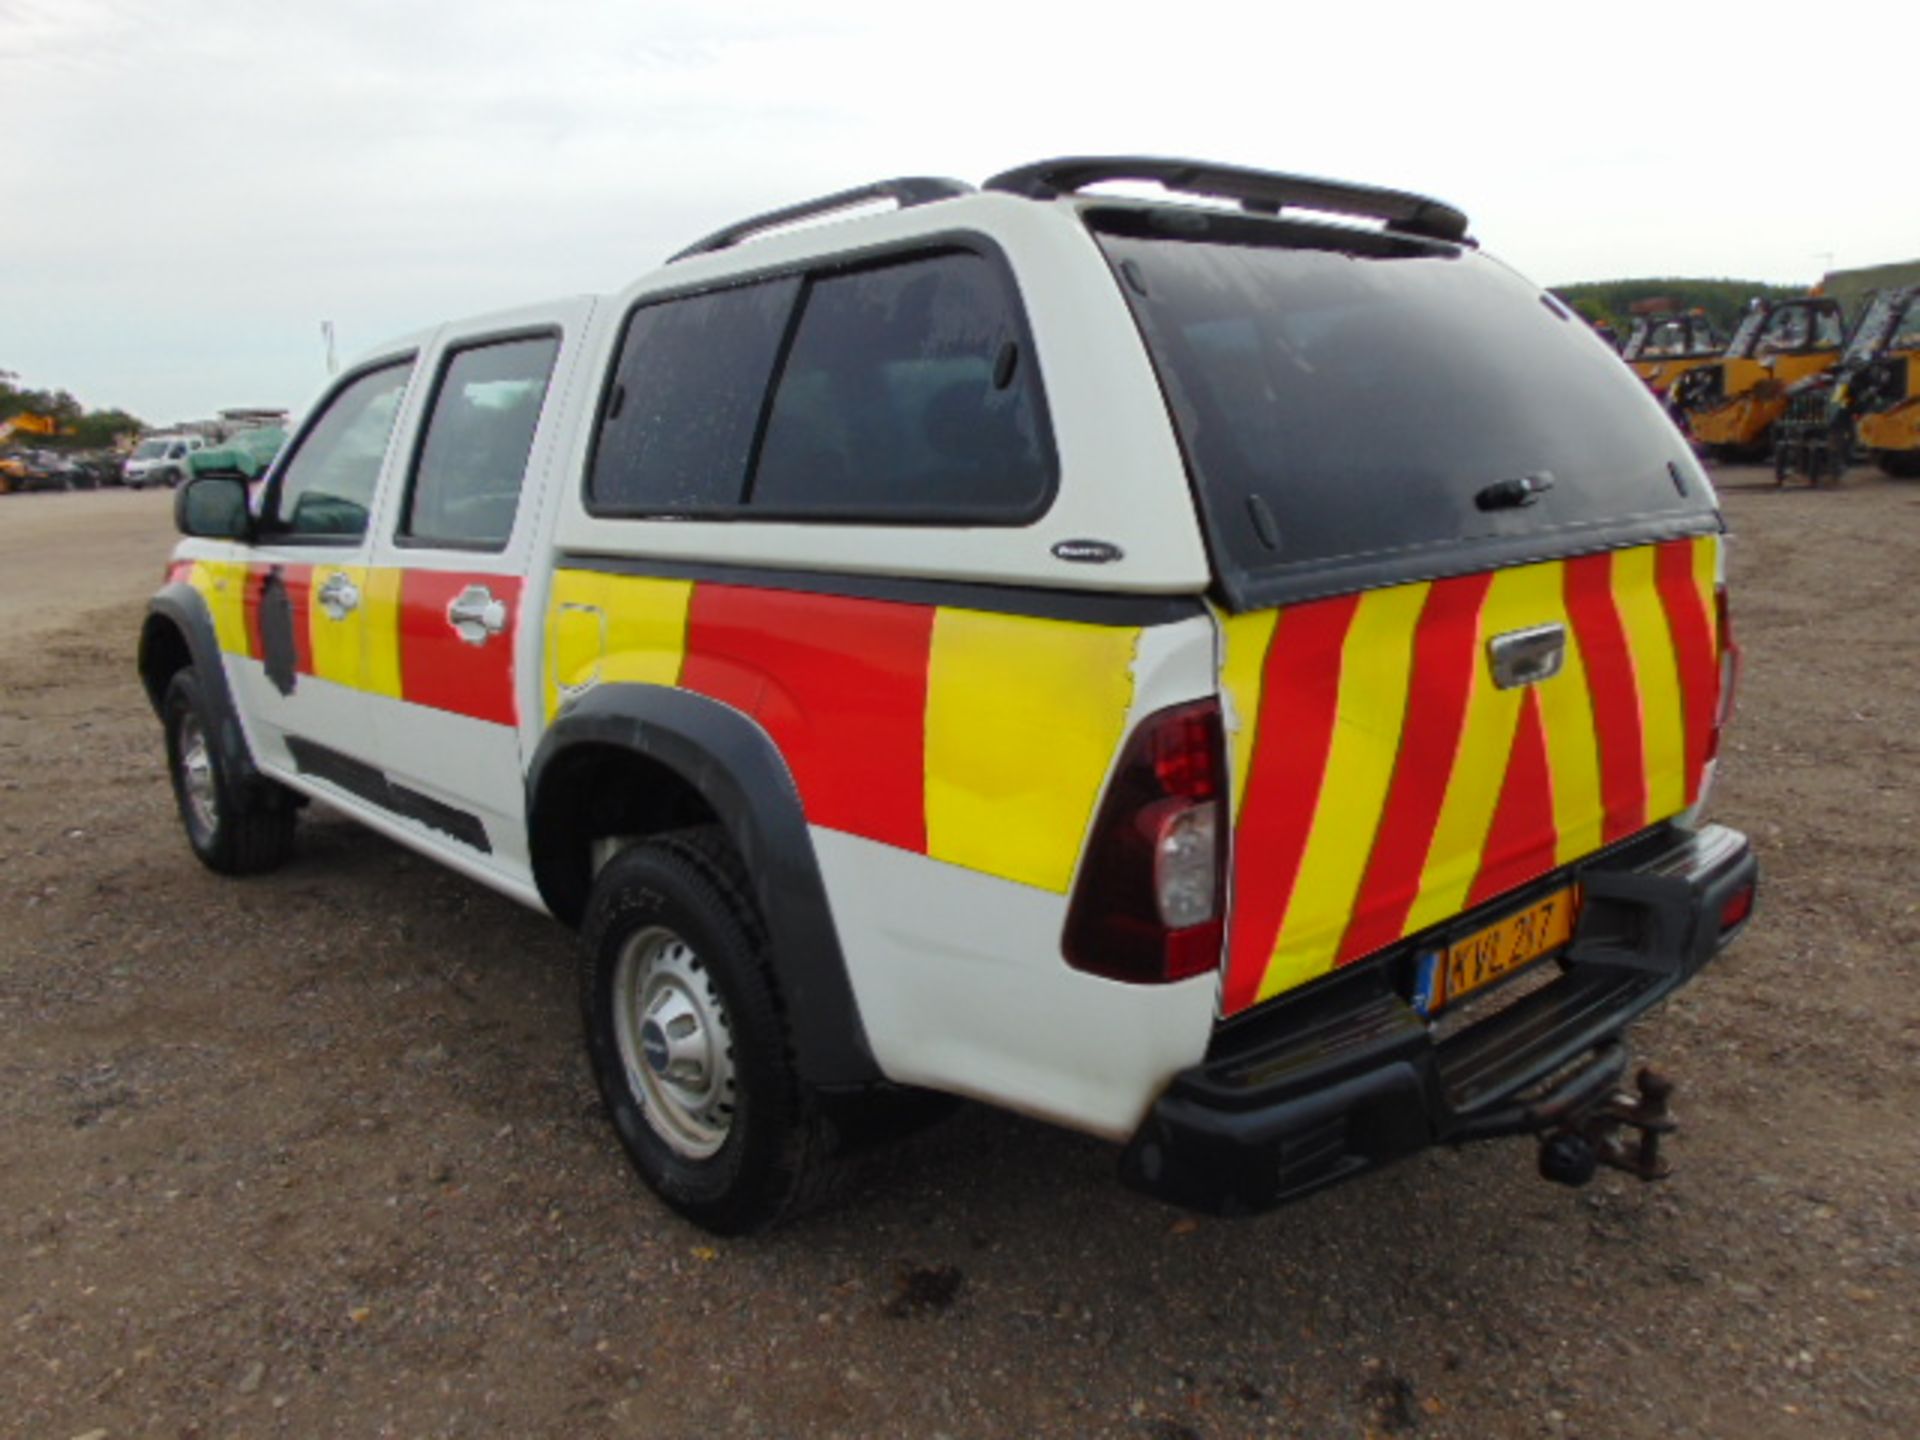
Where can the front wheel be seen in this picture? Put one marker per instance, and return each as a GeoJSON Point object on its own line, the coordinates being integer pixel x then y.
{"type": "Point", "coordinates": [688, 1041]}
{"type": "Point", "coordinates": [235, 825]}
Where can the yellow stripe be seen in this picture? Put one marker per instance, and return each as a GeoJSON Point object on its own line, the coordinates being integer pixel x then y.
{"type": "Point", "coordinates": [380, 632]}
{"type": "Point", "coordinates": [614, 628]}
{"type": "Point", "coordinates": [223, 585]}
{"type": "Point", "coordinates": [1376, 667]}
{"type": "Point", "coordinates": [336, 643]}
{"type": "Point", "coordinates": [1706, 572]}
{"type": "Point", "coordinates": [361, 649]}
{"type": "Point", "coordinates": [1656, 672]}
{"type": "Point", "coordinates": [1244, 639]}
{"type": "Point", "coordinates": [1518, 598]}
{"type": "Point", "coordinates": [1573, 747]}
{"type": "Point", "coordinates": [1024, 717]}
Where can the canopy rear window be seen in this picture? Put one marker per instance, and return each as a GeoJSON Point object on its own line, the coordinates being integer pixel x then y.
{"type": "Point", "coordinates": [1356, 407]}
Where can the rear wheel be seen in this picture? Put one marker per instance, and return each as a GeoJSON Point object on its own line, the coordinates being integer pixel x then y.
{"type": "Point", "coordinates": [687, 1036]}
{"type": "Point", "coordinates": [1902, 463]}
{"type": "Point", "coordinates": [236, 825]}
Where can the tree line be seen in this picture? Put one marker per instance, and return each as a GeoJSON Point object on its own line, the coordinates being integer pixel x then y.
{"type": "Point", "coordinates": [1724, 301]}
{"type": "Point", "coordinates": [75, 425]}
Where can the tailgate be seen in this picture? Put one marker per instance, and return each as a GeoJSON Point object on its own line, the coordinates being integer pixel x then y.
{"type": "Point", "coordinates": [1383, 780]}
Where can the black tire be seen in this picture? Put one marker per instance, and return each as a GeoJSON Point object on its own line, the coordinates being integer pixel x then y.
{"type": "Point", "coordinates": [1902, 464]}
{"type": "Point", "coordinates": [236, 825]}
{"type": "Point", "coordinates": [725, 1133]}
{"type": "Point", "coordinates": [1839, 451]}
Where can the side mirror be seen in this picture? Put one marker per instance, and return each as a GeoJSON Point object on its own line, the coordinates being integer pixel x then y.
{"type": "Point", "coordinates": [213, 507]}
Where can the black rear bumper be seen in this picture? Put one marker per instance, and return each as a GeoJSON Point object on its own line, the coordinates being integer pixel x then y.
{"type": "Point", "coordinates": [1347, 1075]}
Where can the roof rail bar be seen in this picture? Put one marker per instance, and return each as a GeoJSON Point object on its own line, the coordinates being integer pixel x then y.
{"type": "Point", "coordinates": [905, 192]}
{"type": "Point", "coordinates": [1260, 192]}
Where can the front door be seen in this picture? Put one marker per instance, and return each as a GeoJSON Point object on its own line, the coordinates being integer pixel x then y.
{"type": "Point", "coordinates": [315, 614]}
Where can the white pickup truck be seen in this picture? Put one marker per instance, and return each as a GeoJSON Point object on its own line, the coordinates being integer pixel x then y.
{"type": "Point", "coordinates": [1237, 673]}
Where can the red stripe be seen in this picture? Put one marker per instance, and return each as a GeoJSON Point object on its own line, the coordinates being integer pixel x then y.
{"type": "Point", "coordinates": [1615, 692]}
{"type": "Point", "coordinates": [438, 668]}
{"type": "Point", "coordinates": [255, 583]}
{"type": "Point", "coordinates": [299, 582]}
{"type": "Point", "coordinates": [1520, 841]}
{"type": "Point", "coordinates": [1445, 654]}
{"type": "Point", "coordinates": [840, 685]}
{"type": "Point", "coordinates": [1299, 697]}
{"type": "Point", "coordinates": [1692, 631]}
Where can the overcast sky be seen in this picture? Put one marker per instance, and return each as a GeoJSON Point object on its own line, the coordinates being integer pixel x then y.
{"type": "Point", "coordinates": [191, 187]}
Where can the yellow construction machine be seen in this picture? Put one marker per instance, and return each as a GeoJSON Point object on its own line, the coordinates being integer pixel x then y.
{"type": "Point", "coordinates": [1730, 405]}
{"type": "Point", "coordinates": [1661, 348]}
{"type": "Point", "coordinates": [1870, 400]}
{"type": "Point", "coordinates": [1885, 395]}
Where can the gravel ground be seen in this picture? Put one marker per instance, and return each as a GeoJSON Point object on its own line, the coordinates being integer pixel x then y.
{"type": "Point", "coordinates": [318, 1154]}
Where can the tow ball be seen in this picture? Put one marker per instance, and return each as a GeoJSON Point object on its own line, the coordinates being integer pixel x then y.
{"type": "Point", "coordinates": [1570, 1154]}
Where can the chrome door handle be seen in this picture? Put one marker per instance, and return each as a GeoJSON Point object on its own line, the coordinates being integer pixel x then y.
{"type": "Point", "coordinates": [339, 596]}
{"type": "Point", "coordinates": [475, 614]}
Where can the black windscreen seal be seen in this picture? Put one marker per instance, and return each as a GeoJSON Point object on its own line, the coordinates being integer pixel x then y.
{"type": "Point", "coordinates": [1086, 607]}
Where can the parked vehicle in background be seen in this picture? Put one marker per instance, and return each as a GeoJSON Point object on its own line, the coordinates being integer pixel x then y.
{"type": "Point", "coordinates": [1730, 405]}
{"type": "Point", "coordinates": [160, 460]}
{"type": "Point", "coordinates": [41, 469]}
{"type": "Point", "coordinates": [93, 469]}
{"type": "Point", "coordinates": [1236, 684]}
{"type": "Point", "coordinates": [1863, 400]}
{"type": "Point", "coordinates": [245, 453]}
{"type": "Point", "coordinates": [1662, 348]}
{"type": "Point", "coordinates": [1884, 396]}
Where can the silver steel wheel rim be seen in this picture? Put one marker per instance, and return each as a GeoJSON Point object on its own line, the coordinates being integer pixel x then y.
{"type": "Point", "coordinates": [197, 784]}
{"type": "Point", "coordinates": [675, 1042]}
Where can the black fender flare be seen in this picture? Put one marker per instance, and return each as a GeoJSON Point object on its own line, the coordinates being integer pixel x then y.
{"type": "Point", "coordinates": [181, 608]}
{"type": "Point", "coordinates": [733, 764]}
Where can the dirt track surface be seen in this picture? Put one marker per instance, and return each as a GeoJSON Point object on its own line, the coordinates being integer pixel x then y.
{"type": "Point", "coordinates": [318, 1154]}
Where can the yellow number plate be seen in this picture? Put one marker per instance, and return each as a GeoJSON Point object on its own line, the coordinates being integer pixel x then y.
{"type": "Point", "coordinates": [1503, 947]}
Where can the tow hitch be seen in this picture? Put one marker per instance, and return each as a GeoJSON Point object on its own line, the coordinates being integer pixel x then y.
{"type": "Point", "coordinates": [1571, 1153]}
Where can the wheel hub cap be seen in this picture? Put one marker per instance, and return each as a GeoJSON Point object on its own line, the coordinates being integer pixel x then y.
{"type": "Point", "coordinates": [196, 779]}
{"type": "Point", "coordinates": [675, 1041]}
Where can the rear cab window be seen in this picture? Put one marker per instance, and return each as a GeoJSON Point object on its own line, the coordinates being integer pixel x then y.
{"type": "Point", "coordinates": [1356, 407]}
{"type": "Point", "coordinates": [901, 389]}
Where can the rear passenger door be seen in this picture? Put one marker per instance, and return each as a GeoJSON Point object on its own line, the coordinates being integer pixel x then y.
{"type": "Point", "coordinates": [460, 537]}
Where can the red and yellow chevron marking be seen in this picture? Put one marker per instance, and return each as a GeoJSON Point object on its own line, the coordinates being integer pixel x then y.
{"type": "Point", "coordinates": [398, 643]}
{"type": "Point", "coordinates": [1384, 783]}
{"type": "Point", "coordinates": [977, 739]}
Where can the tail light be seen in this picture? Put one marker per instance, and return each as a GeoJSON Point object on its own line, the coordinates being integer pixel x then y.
{"type": "Point", "coordinates": [1152, 891]}
{"type": "Point", "coordinates": [1737, 907]}
{"type": "Point", "coordinates": [1729, 668]}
